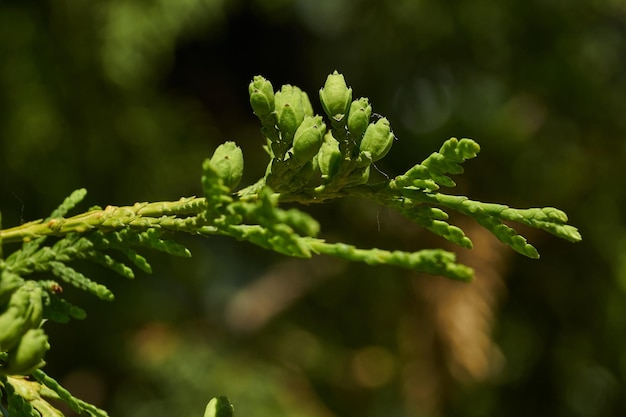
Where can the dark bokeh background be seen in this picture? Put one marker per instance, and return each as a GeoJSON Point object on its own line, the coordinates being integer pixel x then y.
{"type": "Point", "coordinates": [127, 97]}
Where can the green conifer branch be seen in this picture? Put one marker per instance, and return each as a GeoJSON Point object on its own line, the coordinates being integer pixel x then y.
{"type": "Point", "coordinates": [18, 403]}
{"type": "Point", "coordinates": [30, 398]}
{"type": "Point", "coordinates": [68, 204]}
{"type": "Point", "coordinates": [430, 174]}
{"type": "Point", "coordinates": [432, 261]}
{"type": "Point", "coordinates": [312, 160]}
{"type": "Point", "coordinates": [63, 394]}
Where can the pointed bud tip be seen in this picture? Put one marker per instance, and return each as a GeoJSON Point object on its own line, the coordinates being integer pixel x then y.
{"type": "Point", "coordinates": [336, 96]}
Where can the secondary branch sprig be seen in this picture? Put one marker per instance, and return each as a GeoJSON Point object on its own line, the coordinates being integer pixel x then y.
{"type": "Point", "coordinates": [170, 215]}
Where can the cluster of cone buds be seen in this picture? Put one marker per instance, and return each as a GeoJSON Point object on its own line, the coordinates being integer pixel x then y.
{"type": "Point", "coordinates": [21, 336]}
{"type": "Point", "coordinates": [290, 110]}
{"type": "Point", "coordinates": [373, 140]}
{"type": "Point", "coordinates": [302, 136]}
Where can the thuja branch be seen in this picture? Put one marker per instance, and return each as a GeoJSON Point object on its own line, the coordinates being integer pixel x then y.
{"type": "Point", "coordinates": [178, 215]}
{"type": "Point", "coordinates": [184, 216]}
{"type": "Point", "coordinates": [312, 159]}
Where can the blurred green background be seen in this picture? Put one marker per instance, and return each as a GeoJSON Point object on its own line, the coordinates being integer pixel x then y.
{"type": "Point", "coordinates": [127, 97]}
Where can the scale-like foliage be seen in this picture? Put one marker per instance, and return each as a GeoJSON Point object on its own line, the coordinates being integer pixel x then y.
{"type": "Point", "coordinates": [430, 174]}
{"type": "Point", "coordinates": [312, 160]}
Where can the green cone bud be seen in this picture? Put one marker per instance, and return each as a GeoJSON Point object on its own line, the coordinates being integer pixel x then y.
{"type": "Point", "coordinates": [28, 355]}
{"type": "Point", "coordinates": [308, 138]}
{"type": "Point", "coordinates": [336, 96]}
{"type": "Point", "coordinates": [359, 117]}
{"type": "Point", "coordinates": [24, 311]}
{"type": "Point", "coordinates": [289, 110]}
{"type": "Point", "coordinates": [377, 139]}
{"type": "Point", "coordinates": [12, 327]}
{"type": "Point", "coordinates": [329, 156]}
{"type": "Point", "coordinates": [227, 161]}
{"type": "Point", "coordinates": [261, 96]}
{"type": "Point", "coordinates": [9, 282]}
{"type": "Point", "coordinates": [34, 309]}
{"type": "Point", "coordinates": [219, 407]}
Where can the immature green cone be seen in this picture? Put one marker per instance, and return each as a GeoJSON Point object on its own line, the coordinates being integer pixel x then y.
{"type": "Point", "coordinates": [261, 96]}
{"type": "Point", "coordinates": [227, 160]}
{"type": "Point", "coordinates": [308, 138]}
{"type": "Point", "coordinates": [219, 407]}
{"type": "Point", "coordinates": [336, 96]}
{"type": "Point", "coordinates": [28, 355]}
{"type": "Point", "coordinates": [34, 309]}
{"type": "Point", "coordinates": [329, 156]}
{"type": "Point", "coordinates": [24, 311]}
{"type": "Point", "coordinates": [12, 327]}
{"type": "Point", "coordinates": [359, 117]}
{"type": "Point", "coordinates": [9, 282]}
{"type": "Point", "coordinates": [289, 110]}
{"type": "Point", "coordinates": [377, 139]}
